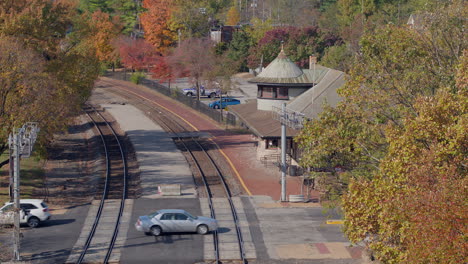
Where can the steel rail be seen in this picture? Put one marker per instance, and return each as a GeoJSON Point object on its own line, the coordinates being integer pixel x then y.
{"type": "Point", "coordinates": [207, 188]}
{"type": "Point", "coordinates": [225, 187]}
{"type": "Point", "coordinates": [240, 239]}
{"type": "Point", "coordinates": [106, 190]}
{"type": "Point", "coordinates": [124, 193]}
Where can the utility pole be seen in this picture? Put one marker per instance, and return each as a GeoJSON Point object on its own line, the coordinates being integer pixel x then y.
{"type": "Point", "coordinates": [20, 144]}
{"type": "Point", "coordinates": [283, 153]}
{"type": "Point", "coordinates": [293, 120]}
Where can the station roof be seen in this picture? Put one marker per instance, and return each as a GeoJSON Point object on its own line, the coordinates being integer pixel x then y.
{"type": "Point", "coordinates": [310, 103]}
{"type": "Point", "coordinates": [283, 71]}
{"type": "Point", "coordinates": [260, 122]}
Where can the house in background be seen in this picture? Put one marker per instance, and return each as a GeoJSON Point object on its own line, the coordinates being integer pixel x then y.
{"type": "Point", "coordinates": [223, 33]}
{"type": "Point", "coordinates": [304, 91]}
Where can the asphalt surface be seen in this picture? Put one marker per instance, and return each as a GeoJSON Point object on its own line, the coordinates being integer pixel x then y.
{"type": "Point", "coordinates": [183, 248]}
{"type": "Point", "coordinates": [53, 240]}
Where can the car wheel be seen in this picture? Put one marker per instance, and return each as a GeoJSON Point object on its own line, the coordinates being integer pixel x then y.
{"type": "Point", "coordinates": [156, 230]}
{"type": "Point", "coordinates": [33, 222]}
{"type": "Point", "coordinates": [189, 94]}
{"type": "Point", "coordinates": [212, 95]}
{"type": "Point", "coordinates": [216, 107]}
{"type": "Point", "coordinates": [202, 229]}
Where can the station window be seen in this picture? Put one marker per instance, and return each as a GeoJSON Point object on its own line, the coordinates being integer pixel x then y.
{"type": "Point", "coordinates": [272, 143]}
{"type": "Point", "coordinates": [273, 92]}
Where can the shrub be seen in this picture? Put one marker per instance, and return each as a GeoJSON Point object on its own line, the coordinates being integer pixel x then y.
{"type": "Point", "coordinates": [137, 77]}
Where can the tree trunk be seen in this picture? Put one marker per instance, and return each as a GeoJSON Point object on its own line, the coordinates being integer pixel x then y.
{"type": "Point", "coordinates": [198, 90]}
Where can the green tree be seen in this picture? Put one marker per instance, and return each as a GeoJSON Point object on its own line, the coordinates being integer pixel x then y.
{"type": "Point", "coordinates": [259, 28]}
{"type": "Point", "coordinates": [238, 49]}
{"type": "Point", "coordinates": [192, 18]}
{"type": "Point", "coordinates": [338, 58]}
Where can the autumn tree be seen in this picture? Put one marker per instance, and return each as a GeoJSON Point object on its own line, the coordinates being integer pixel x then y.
{"type": "Point", "coordinates": [126, 11]}
{"type": "Point", "coordinates": [137, 54]}
{"type": "Point", "coordinates": [103, 32]}
{"type": "Point", "coordinates": [155, 21]}
{"type": "Point", "coordinates": [162, 70]}
{"type": "Point", "coordinates": [398, 136]}
{"type": "Point", "coordinates": [233, 16]}
{"type": "Point", "coordinates": [193, 58]}
{"type": "Point", "coordinates": [396, 66]}
{"type": "Point", "coordinates": [299, 44]}
{"type": "Point", "coordinates": [413, 211]}
{"type": "Point", "coordinates": [48, 69]}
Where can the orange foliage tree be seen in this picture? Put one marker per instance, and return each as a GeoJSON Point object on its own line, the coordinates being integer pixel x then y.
{"type": "Point", "coordinates": [104, 30]}
{"type": "Point", "coordinates": [155, 22]}
{"type": "Point", "coordinates": [233, 16]}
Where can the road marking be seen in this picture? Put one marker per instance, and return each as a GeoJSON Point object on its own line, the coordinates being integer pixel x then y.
{"type": "Point", "coordinates": [196, 129]}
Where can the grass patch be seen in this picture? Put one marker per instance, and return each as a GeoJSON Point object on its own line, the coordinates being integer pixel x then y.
{"type": "Point", "coordinates": [32, 176]}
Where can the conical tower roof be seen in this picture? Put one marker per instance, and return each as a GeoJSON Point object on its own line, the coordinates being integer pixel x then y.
{"type": "Point", "coordinates": [282, 70]}
{"type": "Point", "coordinates": [281, 67]}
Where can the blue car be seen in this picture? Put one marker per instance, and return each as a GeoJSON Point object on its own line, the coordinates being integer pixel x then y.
{"type": "Point", "coordinates": [225, 102]}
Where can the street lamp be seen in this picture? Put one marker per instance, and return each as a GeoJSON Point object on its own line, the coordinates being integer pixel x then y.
{"type": "Point", "coordinates": [20, 143]}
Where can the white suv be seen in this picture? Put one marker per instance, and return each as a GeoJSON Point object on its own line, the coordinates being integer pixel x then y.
{"type": "Point", "coordinates": [33, 211]}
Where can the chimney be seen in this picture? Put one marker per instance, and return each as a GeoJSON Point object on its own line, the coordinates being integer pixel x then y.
{"type": "Point", "coordinates": [312, 61]}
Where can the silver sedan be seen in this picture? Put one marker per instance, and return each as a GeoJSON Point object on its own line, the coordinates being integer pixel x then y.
{"type": "Point", "coordinates": [174, 220]}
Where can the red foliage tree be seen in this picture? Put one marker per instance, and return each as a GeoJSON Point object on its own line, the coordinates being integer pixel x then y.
{"type": "Point", "coordinates": [162, 70]}
{"type": "Point", "coordinates": [137, 54]}
{"type": "Point", "coordinates": [194, 58]}
{"type": "Point", "coordinates": [299, 44]}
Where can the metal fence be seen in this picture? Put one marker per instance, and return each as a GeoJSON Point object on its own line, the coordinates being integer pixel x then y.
{"type": "Point", "coordinates": [222, 117]}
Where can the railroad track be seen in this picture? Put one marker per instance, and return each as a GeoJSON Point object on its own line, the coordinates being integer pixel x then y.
{"type": "Point", "coordinates": [113, 191]}
{"type": "Point", "coordinates": [208, 175]}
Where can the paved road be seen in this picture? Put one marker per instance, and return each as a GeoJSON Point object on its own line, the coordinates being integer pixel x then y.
{"type": "Point", "coordinates": [53, 240]}
{"type": "Point", "coordinates": [184, 248]}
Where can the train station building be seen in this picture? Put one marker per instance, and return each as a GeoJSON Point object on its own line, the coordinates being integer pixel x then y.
{"type": "Point", "coordinates": [305, 91]}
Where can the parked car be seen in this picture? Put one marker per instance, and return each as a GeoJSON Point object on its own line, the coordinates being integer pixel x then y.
{"type": "Point", "coordinates": [211, 93]}
{"type": "Point", "coordinates": [174, 220]}
{"type": "Point", "coordinates": [33, 212]}
{"type": "Point", "coordinates": [225, 102]}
